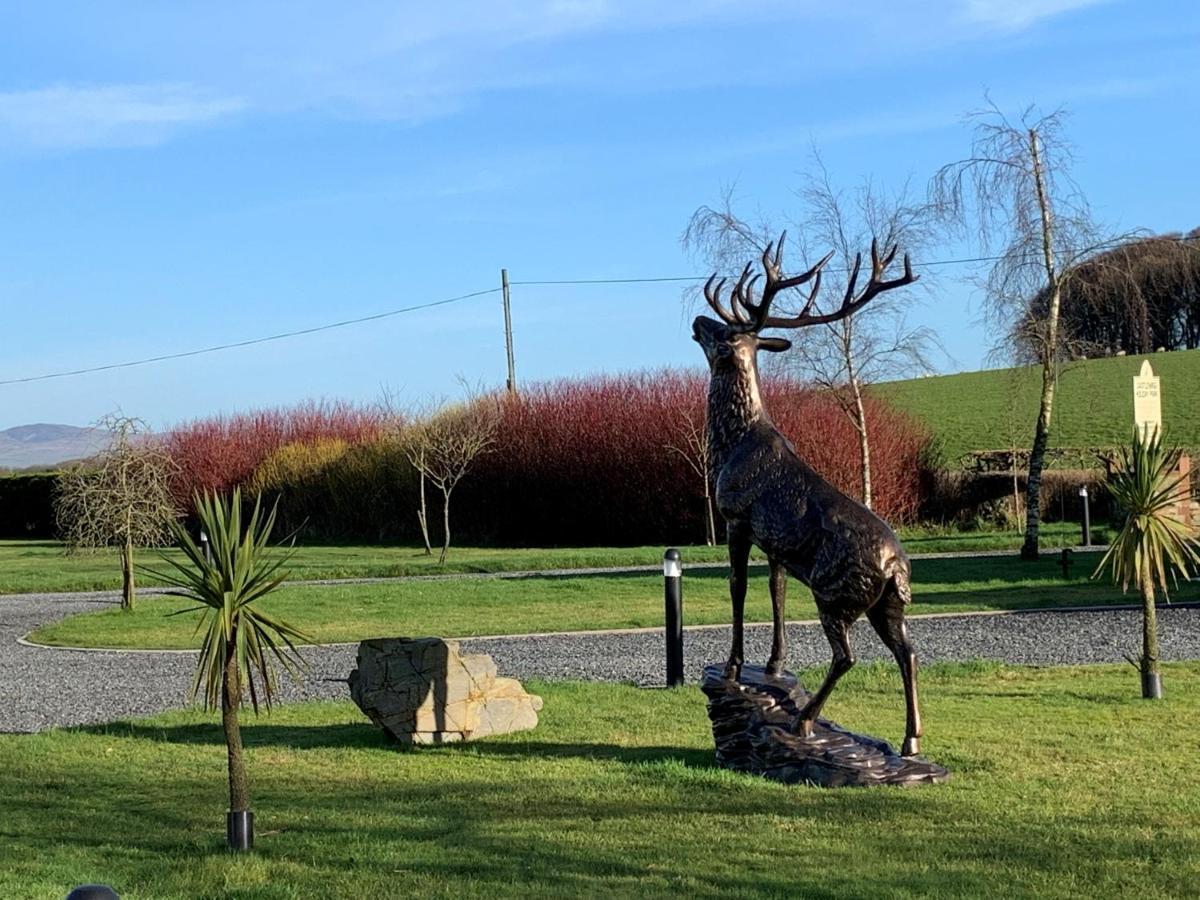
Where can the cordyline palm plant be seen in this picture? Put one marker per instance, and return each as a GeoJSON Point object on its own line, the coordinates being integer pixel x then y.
{"type": "Point", "coordinates": [1152, 540]}
{"type": "Point", "coordinates": [241, 643]}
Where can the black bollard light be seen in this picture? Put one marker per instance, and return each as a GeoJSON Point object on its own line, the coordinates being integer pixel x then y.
{"type": "Point", "coordinates": [93, 892]}
{"type": "Point", "coordinates": [673, 602]}
{"type": "Point", "coordinates": [205, 547]}
{"type": "Point", "coordinates": [239, 829]}
{"type": "Point", "coordinates": [1087, 517]}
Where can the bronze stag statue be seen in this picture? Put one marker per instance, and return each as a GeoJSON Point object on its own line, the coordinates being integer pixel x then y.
{"type": "Point", "coordinates": [769, 497]}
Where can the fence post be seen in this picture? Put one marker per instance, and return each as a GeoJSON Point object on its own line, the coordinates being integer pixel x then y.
{"type": "Point", "coordinates": [673, 602]}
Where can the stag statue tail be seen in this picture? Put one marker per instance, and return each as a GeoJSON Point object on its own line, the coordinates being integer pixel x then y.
{"type": "Point", "coordinates": [887, 618]}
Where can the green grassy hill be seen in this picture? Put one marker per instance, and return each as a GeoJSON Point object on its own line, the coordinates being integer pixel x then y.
{"type": "Point", "coordinates": [1093, 407]}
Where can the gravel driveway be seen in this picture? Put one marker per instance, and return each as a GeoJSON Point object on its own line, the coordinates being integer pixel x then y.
{"type": "Point", "coordinates": [43, 688]}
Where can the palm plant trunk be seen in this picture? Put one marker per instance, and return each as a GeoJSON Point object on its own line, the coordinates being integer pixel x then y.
{"type": "Point", "coordinates": [127, 587]}
{"type": "Point", "coordinates": [231, 700]}
{"type": "Point", "coordinates": [1151, 674]}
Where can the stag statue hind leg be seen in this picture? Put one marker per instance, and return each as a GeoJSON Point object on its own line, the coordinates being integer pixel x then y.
{"type": "Point", "coordinates": [887, 618]}
{"type": "Point", "coordinates": [739, 559]}
{"type": "Point", "coordinates": [837, 630]}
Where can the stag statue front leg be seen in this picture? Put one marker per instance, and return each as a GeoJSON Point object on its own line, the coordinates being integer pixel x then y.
{"type": "Point", "coordinates": [739, 558]}
{"type": "Point", "coordinates": [778, 599]}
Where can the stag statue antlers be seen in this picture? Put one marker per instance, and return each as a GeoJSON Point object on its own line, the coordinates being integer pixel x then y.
{"type": "Point", "coordinates": [771, 498]}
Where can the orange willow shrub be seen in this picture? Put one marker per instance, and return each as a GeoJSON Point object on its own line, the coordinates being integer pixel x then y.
{"type": "Point", "coordinates": [223, 452]}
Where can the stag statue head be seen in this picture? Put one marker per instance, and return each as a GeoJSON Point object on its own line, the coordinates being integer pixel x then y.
{"type": "Point", "coordinates": [735, 340]}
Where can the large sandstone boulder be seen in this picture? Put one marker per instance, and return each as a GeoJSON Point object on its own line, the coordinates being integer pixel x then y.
{"type": "Point", "coordinates": [425, 691]}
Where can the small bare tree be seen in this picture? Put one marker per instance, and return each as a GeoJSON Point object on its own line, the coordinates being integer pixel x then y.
{"type": "Point", "coordinates": [121, 497]}
{"type": "Point", "coordinates": [1016, 188]}
{"type": "Point", "coordinates": [443, 447]}
{"type": "Point", "coordinates": [845, 356]}
{"type": "Point", "coordinates": [402, 429]}
{"type": "Point", "coordinates": [692, 444]}
{"type": "Point", "coordinates": [841, 357]}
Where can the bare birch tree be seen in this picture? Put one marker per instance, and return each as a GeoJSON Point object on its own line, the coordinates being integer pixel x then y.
{"type": "Point", "coordinates": [121, 497]}
{"type": "Point", "coordinates": [1015, 188]}
{"type": "Point", "coordinates": [877, 343]}
{"type": "Point", "coordinates": [845, 356]}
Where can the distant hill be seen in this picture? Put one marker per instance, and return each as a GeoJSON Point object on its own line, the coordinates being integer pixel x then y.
{"type": "Point", "coordinates": [1093, 406]}
{"type": "Point", "coordinates": [45, 445]}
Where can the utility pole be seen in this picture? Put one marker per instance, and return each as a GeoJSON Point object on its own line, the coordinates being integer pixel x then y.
{"type": "Point", "coordinates": [508, 342]}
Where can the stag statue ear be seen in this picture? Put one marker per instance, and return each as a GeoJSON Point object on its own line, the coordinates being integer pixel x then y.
{"type": "Point", "coordinates": [774, 344]}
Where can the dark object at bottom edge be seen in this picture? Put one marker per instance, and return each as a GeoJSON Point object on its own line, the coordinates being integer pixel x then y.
{"type": "Point", "coordinates": [93, 892]}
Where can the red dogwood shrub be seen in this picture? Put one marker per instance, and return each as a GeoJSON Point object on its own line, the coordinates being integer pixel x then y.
{"type": "Point", "coordinates": [574, 463]}
{"type": "Point", "coordinates": [587, 461]}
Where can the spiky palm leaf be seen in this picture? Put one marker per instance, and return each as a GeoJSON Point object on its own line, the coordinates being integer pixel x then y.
{"type": "Point", "coordinates": [243, 569]}
{"type": "Point", "coordinates": [1152, 539]}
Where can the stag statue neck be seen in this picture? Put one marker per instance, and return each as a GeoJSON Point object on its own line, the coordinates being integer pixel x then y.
{"type": "Point", "coordinates": [734, 407]}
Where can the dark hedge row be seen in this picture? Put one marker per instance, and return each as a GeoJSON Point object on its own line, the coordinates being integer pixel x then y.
{"type": "Point", "coordinates": [27, 505]}
{"type": "Point", "coordinates": [574, 463]}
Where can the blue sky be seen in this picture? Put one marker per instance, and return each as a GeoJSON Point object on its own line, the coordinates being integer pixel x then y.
{"type": "Point", "coordinates": [181, 175]}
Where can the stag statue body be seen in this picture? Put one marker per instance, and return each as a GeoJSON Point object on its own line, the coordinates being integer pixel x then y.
{"type": "Point", "coordinates": [769, 497]}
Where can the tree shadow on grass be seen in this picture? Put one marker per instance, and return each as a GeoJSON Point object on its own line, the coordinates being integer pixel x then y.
{"type": "Point", "coordinates": [346, 735]}
{"type": "Point", "coordinates": [366, 736]}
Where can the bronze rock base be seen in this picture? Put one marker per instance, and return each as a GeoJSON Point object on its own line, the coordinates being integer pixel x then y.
{"type": "Point", "coordinates": [752, 719]}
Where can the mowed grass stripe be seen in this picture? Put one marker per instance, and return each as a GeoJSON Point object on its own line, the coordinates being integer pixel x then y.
{"type": "Point", "coordinates": [44, 567]}
{"type": "Point", "coordinates": [521, 605]}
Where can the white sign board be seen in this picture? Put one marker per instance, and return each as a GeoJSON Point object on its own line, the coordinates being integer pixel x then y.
{"type": "Point", "coordinates": [1147, 400]}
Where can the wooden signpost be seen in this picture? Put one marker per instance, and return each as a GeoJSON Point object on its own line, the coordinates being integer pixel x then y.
{"type": "Point", "coordinates": [1147, 400]}
{"type": "Point", "coordinates": [1147, 416]}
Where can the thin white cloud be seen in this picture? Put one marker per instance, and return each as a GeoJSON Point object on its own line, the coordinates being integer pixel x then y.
{"type": "Point", "coordinates": [1014, 15]}
{"type": "Point", "coordinates": [415, 62]}
{"type": "Point", "coordinates": [111, 115]}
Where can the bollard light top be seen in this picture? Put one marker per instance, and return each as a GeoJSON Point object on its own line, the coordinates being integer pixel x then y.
{"type": "Point", "coordinates": [1083, 491]}
{"type": "Point", "coordinates": [672, 567]}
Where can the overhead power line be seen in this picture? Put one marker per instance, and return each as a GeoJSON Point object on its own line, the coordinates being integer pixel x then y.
{"type": "Point", "coordinates": [448, 300]}
{"type": "Point", "coordinates": [658, 279]}
{"type": "Point", "coordinates": [929, 263]}
{"type": "Point", "coordinates": [252, 341]}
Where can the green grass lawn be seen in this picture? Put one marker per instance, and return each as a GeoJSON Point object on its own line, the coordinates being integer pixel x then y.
{"type": "Point", "coordinates": [27, 566]}
{"type": "Point", "coordinates": [43, 566]}
{"type": "Point", "coordinates": [1093, 407]}
{"type": "Point", "coordinates": [1064, 784]}
{"type": "Point", "coordinates": [517, 605]}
